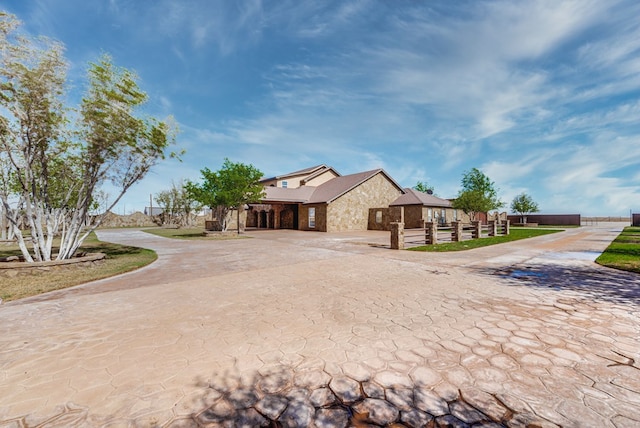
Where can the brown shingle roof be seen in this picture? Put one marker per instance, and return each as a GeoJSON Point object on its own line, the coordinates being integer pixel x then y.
{"type": "Point", "coordinates": [413, 197]}
{"type": "Point", "coordinates": [334, 188]}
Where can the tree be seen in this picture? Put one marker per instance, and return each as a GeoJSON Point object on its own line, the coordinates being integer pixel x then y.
{"type": "Point", "coordinates": [478, 194]}
{"type": "Point", "coordinates": [423, 186]}
{"type": "Point", "coordinates": [54, 170]}
{"type": "Point", "coordinates": [524, 204]}
{"type": "Point", "coordinates": [178, 206]}
{"type": "Point", "coordinates": [232, 186]}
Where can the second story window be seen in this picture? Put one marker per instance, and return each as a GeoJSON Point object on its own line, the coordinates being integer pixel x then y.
{"type": "Point", "coordinates": [284, 184]}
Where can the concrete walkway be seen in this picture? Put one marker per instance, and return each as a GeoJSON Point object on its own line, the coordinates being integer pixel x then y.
{"type": "Point", "coordinates": [330, 330]}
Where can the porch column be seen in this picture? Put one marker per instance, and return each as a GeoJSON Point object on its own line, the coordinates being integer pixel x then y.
{"type": "Point", "coordinates": [276, 216]}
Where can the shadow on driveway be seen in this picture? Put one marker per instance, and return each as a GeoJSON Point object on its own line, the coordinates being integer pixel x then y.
{"type": "Point", "coordinates": [596, 282]}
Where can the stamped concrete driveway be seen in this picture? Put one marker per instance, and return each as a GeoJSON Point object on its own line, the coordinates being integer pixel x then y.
{"type": "Point", "coordinates": [302, 329]}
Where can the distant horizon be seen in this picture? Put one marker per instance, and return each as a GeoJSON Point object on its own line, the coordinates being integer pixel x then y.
{"type": "Point", "coordinates": [541, 96]}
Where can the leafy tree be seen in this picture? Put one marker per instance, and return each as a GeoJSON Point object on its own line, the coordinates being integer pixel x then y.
{"type": "Point", "coordinates": [524, 204]}
{"type": "Point", "coordinates": [232, 186]}
{"type": "Point", "coordinates": [478, 194]}
{"type": "Point", "coordinates": [178, 206]}
{"type": "Point", "coordinates": [423, 186]}
{"type": "Point", "coordinates": [54, 170]}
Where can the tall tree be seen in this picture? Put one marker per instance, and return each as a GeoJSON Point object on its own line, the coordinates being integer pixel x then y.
{"type": "Point", "coordinates": [524, 204]}
{"type": "Point", "coordinates": [478, 194]}
{"type": "Point", "coordinates": [55, 170]}
{"type": "Point", "coordinates": [425, 187]}
{"type": "Point", "coordinates": [232, 186]}
{"type": "Point", "coordinates": [178, 205]}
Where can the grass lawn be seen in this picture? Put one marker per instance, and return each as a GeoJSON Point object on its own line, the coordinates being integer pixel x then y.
{"type": "Point", "coordinates": [190, 233]}
{"type": "Point", "coordinates": [624, 252]}
{"type": "Point", "coordinates": [515, 234]}
{"type": "Point", "coordinates": [119, 259]}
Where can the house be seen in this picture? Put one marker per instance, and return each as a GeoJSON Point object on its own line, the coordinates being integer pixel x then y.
{"type": "Point", "coordinates": [320, 199]}
{"type": "Point", "coordinates": [420, 207]}
{"type": "Point", "coordinates": [314, 176]}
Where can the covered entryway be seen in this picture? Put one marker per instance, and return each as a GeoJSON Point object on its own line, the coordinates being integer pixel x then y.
{"type": "Point", "coordinates": [273, 216]}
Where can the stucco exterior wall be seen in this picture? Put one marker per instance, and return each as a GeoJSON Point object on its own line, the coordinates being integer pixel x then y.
{"type": "Point", "coordinates": [321, 179]}
{"type": "Point", "coordinates": [351, 210]}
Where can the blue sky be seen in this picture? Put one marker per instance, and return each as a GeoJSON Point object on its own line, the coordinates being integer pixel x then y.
{"type": "Point", "coordinates": [542, 96]}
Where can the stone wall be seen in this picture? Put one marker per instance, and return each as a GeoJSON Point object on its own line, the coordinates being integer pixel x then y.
{"type": "Point", "coordinates": [381, 218]}
{"type": "Point", "coordinates": [321, 217]}
{"type": "Point", "coordinates": [413, 216]}
{"type": "Point", "coordinates": [351, 210]}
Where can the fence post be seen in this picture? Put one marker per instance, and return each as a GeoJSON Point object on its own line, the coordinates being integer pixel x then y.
{"type": "Point", "coordinates": [431, 233]}
{"type": "Point", "coordinates": [506, 227]}
{"type": "Point", "coordinates": [493, 228]}
{"type": "Point", "coordinates": [456, 231]}
{"type": "Point", "coordinates": [476, 233]}
{"type": "Point", "coordinates": [397, 236]}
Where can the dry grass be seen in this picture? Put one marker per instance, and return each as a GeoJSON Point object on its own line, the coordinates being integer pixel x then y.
{"type": "Point", "coordinates": [119, 259]}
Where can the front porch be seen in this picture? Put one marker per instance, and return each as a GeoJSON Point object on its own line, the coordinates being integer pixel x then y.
{"type": "Point", "coordinates": [273, 216]}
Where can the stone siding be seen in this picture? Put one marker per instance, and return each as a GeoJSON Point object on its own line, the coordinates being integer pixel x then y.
{"type": "Point", "coordinates": [413, 217]}
{"type": "Point", "coordinates": [351, 210]}
{"type": "Point", "coordinates": [321, 217]}
{"type": "Point", "coordinates": [448, 215]}
{"type": "Point", "coordinates": [386, 215]}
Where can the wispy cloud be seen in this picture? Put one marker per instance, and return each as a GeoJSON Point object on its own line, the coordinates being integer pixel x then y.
{"type": "Point", "coordinates": [541, 95]}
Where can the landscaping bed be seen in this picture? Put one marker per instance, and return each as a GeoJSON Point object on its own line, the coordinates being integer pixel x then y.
{"type": "Point", "coordinates": [117, 259]}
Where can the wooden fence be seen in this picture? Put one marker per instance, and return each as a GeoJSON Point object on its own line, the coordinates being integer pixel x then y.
{"type": "Point", "coordinates": [434, 233]}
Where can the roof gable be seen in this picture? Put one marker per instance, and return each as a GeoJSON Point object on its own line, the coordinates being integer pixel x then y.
{"type": "Point", "coordinates": [333, 189]}
{"type": "Point", "coordinates": [311, 171]}
{"type": "Point", "coordinates": [414, 197]}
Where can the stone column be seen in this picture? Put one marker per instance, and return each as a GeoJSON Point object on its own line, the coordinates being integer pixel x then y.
{"type": "Point", "coordinates": [477, 229]}
{"type": "Point", "coordinates": [493, 228]}
{"type": "Point", "coordinates": [456, 231]}
{"type": "Point", "coordinates": [431, 232]}
{"type": "Point", "coordinates": [506, 227]}
{"type": "Point", "coordinates": [276, 216]}
{"type": "Point", "coordinates": [397, 236]}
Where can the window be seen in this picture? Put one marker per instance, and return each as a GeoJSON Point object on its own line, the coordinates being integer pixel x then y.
{"type": "Point", "coordinates": [312, 218]}
{"type": "Point", "coordinates": [455, 215]}
{"type": "Point", "coordinates": [378, 217]}
{"type": "Point", "coordinates": [284, 184]}
{"type": "Point", "coordinates": [429, 215]}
